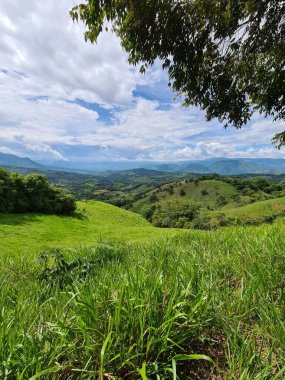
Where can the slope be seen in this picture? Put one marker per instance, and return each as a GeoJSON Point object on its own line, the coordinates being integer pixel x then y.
{"type": "Point", "coordinates": [29, 233]}
{"type": "Point", "coordinates": [255, 213]}
{"type": "Point", "coordinates": [208, 192]}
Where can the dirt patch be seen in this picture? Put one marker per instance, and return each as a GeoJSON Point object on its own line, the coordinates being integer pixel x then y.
{"type": "Point", "coordinates": [278, 207]}
{"type": "Point", "coordinates": [213, 345]}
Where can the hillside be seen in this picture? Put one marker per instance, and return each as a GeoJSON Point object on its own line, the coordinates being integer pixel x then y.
{"type": "Point", "coordinates": [30, 233]}
{"type": "Point", "coordinates": [212, 201]}
{"type": "Point", "coordinates": [255, 213]}
{"type": "Point", "coordinates": [202, 305]}
{"type": "Point", "coordinates": [207, 192]}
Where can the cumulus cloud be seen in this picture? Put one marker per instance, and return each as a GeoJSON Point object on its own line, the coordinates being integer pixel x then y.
{"type": "Point", "coordinates": [41, 42]}
{"type": "Point", "coordinates": [4, 149]}
{"type": "Point", "coordinates": [45, 150]}
{"type": "Point", "coordinates": [56, 90]}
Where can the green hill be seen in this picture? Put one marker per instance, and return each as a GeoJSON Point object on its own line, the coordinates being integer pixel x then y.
{"type": "Point", "coordinates": [27, 233]}
{"type": "Point", "coordinates": [255, 213]}
{"type": "Point", "coordinates": [207, 192]}
{"type": "Point", "coordinates": [219, 201]}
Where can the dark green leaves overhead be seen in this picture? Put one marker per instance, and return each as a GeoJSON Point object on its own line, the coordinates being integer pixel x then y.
{"type": "Point", "coordinates": [225, 56]}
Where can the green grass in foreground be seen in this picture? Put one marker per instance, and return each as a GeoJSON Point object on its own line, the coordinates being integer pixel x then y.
{"type": "Point", "coordinates": [137, 310]}
{"type": "Point", "coordinates": [30, 233]}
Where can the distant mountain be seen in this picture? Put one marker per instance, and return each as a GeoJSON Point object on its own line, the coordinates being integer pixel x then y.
{"type": "Point", "coordinates": [228, 166]}
{"type": "Point", "coordinates": [220, 165]}
{"type": "Point", "coordinates": [10, 160]}
{"type": "Point", "coordinates": [196, 168]}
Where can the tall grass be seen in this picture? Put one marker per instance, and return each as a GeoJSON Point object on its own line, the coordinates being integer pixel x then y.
{"type": "Point", "coordinates": [206, 306]}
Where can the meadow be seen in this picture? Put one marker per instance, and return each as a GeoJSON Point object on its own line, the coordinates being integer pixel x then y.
{"type": "Point", "coordinates": [27, 234]}
{"type": "Point", "coordinates": [121, 299]}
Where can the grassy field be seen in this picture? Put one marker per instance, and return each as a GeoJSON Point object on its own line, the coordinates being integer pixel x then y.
{"type": "Point", "coordinates": [153, 304]}
{"type": "Point", "coordinates": [29, 233]}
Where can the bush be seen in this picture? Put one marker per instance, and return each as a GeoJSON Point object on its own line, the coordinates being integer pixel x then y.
{"type": "Point", "coordinates": [175, 213]}
{"type": "Point", "coordinates": [32, 193]}
{"type": "Point", "coordinates": [153, 198]}
{"type": "Point", "coordinates": [211, 222]}
{"type": "Point", "coordinates": [147, 211]}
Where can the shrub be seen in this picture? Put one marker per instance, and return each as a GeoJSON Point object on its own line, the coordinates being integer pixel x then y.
{"type": "Point", "coordinates": [211, 222]}
{"type": "Point", "coordinates": [32, 193]}
{"type": "Point", "coordinates": [175, 213]}
{"type": "Point", "coordinates": [153, 198]}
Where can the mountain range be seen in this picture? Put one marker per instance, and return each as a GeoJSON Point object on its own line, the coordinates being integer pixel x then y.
{"type": "Point", "coordinates": [10, 160]}
{"type": "Point", "coordinates": [222, 165]}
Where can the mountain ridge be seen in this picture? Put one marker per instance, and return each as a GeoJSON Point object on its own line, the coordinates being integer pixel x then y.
{"type": "Point", "coordinates": [218, 165]}
{"type": "Point", "coordinates": [11, 160]}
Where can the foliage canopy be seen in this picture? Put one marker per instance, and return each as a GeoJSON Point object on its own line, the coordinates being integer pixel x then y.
{"type": "Point", "coordinates": [32, 193]}
{"type": "Point", "coordinates": [226, 56]}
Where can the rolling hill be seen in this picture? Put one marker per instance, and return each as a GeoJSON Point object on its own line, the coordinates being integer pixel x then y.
{"type": "Point", "coordinates": [30, 233]}
{"type": "Point", "coordinates": [206, 192]}
{"type": "Point", "coordinates": [219, 201]}
{"type": "Point", "coordinates": [255, 213]}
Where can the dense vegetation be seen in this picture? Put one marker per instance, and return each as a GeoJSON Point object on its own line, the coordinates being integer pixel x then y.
{"type": "Point", "coordinates": [32, 193]}
{"type": "Point", "coordinates": [139, 309]}
{"type": "Point", "coordinates": [120, 188]}
{"type": "Point", "coordinates": [217, 201]}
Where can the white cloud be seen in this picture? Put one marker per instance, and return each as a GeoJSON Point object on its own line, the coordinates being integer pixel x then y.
{"type": "Point", "coordinates": [41, 41]}
{"type": "Point", "coordinates": [203, 150]}
{"type": "Point", "coordinates": [45, 66]}
{"type": "Point", "coordinates": [45, 150]}
{"type": "Point", "coordinates": [4, 149]}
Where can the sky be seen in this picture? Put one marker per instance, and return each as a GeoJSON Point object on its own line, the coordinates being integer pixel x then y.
{"type": "Point", "coordinates": [65, 100]}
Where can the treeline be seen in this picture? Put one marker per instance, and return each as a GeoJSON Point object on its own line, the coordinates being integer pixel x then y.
{"type": "Point", "coordinates": [32, 193]}
{"type": "Point", "coordinates": [246, 186]}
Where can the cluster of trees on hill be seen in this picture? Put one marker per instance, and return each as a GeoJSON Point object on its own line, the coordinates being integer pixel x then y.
{"type": "Point", "coordinates": [32, 193]}
{"type": "Point", "coordinates": [181, 213]}
{"type": "Point", "coordinates": [172, 213]}
{"type": "Point", "coordinates": [243, 184]}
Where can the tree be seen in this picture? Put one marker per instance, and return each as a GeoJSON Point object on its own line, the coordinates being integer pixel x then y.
{"type": "Point", "coordinates": [171, 190]}
{"type": "Point", "coordinates": [204, 192]}
{"type": "Point", "coordinates": [174, 213]}
{"type": "Point", "coordinates": [226, 56]}
{"type": "Point", "coordinates": [32, 193]}
{"type": "Point", "coordinates": [153, 198]}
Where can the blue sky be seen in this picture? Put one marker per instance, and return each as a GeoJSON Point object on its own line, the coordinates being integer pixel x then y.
{"type": "Point", "coordinates": [62, 99]}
